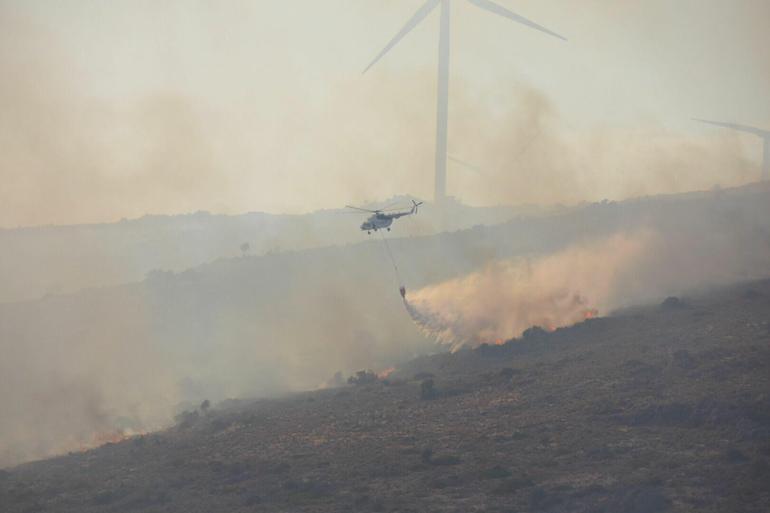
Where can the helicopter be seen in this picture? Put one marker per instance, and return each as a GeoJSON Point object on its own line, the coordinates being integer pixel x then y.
{"type": "Point", "coordinates": [382, 219]}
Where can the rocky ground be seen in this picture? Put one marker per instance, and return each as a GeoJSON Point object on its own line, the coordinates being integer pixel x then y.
{"type": "Point", "coordinates": [662, 408]}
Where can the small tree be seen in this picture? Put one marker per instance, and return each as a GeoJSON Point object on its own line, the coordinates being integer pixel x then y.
{"type": "Point", "coordinates": [245, 248]}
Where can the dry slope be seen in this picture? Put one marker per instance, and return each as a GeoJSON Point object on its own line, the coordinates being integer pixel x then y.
{"type": "Point", "coordinates": [664, 408]}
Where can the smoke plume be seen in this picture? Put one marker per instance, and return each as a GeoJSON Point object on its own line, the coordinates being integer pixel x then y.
{"type": "Point", "coordinates": [588, 278]}
{"type": "Point", "coordinates": [507, 297]}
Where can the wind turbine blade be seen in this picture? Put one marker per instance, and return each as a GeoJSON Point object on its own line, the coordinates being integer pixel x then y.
{"type": "Point", "coordinates": [735, 126]}
{"type": "Point", "coordinates": [420, 15]}
{"type": "Point", "coordinates": [492, 7]}
{"type": "Point", "coordinates": [464, 164]}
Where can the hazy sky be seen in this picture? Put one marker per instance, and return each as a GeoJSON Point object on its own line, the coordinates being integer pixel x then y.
{"type": "Point", "coordinates": [121, 108]}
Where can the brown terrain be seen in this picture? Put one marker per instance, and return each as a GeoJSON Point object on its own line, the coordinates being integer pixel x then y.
{"type": "Point", "coordinates": [652, 409]}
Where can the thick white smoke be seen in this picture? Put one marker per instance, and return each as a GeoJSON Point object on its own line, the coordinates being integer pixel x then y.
{"type": "Point", "coordinates": [507, 297]}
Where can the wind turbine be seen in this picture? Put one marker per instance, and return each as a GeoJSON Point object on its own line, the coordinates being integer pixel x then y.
{"type": "Point", "coordinates": [764, 134]}
{"type": "Point", "coordinates": [443, 70]}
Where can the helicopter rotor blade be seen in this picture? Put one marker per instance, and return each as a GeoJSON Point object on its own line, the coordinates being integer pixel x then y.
{"type": "Point", "coordinates": [392, 206]}
{"type": "Point", "coordinates": [363, 209]}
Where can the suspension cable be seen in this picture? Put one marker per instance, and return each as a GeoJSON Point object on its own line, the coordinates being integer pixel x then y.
{"type": "Point", "coordinates": [392, 260]}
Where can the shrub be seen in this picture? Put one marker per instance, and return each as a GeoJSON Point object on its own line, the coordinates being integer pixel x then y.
{"type": "Point", "coordinates": [540, 500]}
{"type": "Point", "coordinates": [446, 482]}
{"type": "Point", "coordinates": [734, 455]}
{"type": "Point", "coordinates": [671, 303]}
{"type": "Point", "coordinates": [445, 460]}
{"type": "Point", "coordinates": [508, 372]}
{"type": "Point", "coordinates": [252, 499]}
{"type": "Point", "coordinates": [513, 485]}
{"type": "Point", "coordinates": [639, 499]}
{"type": "Point", "coordinates": [187, 419]}
{"type": "Point", "coordinates": [496, 472]}
{"type": "Point", "coordinates": [305, 490]}
{"type": "Point", "coordinates": [534, 332]}
{"type": "Point", "coordinates": [760, 470]}
{"type": "Point", "coordinates": [363, 377]}
{"type": "Point", "coordinates": [104, 498]}
{"type": "Point", "coordinates": [684, 359]}
{"type": "Point", "coordinates": [428, 390]}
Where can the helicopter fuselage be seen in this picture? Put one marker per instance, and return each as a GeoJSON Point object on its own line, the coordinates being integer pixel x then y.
{"type": "Point", "coordinates": [377, 222]}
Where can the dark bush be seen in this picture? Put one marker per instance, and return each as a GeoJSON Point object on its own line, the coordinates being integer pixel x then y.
{"type": "Point", "coordinates": [673, 414]}
{"type": "Point", "coordinates": [252, 499]}
{"type": "Point", "coordinates": [734, 455]}
{"type": "Point", "coordinates": [605, 406]}
{"type": "Point", "coordinates": [449, 481]}
{"type": "Point", "coordinates": [513, 485]}
{"type": "Point", "coordinates": [537, 499]}
{"type": "Point", "coordinates": [363, 377]}
{"type": "Point", "coordinates": [760, 470]}
{"type": "Point", "coordinates": [540, 500]}
{"type": "Point", "coordinates": [428, 390]}
{"type": "Point", "coordinates": [361, 501]}
{"type": "Point", "coordinates": [752, 294]}
{"type": "Point", "coordinates": [638, 499]}
{"type": "Point", "coordinates": [104, 498]}
{"type": "Point", "coordinates": [274, 467]}
{"type": "Point", "coordinates": [496, 472]}
{"type": "Point", "coordinates": [307, 490]}
{"type": "Point", "coordinates": [220, 424]}
{"type": "Point", "coordinates": [534, 332]}
{"type": "Point", "coordinates": [508, 372]}
{"type": "Point", "coordinates": [146, 499]}
{"type": "Point", "coordinates": [445, 460]}
{"type": "Point", "coordinates": [683, 359]}
{"type": "Point", "coordinates": [672, 303]}
{"type": "Point", "coordinates": [187, 419]}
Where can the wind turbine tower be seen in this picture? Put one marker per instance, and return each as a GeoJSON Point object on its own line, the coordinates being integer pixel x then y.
{"type": "Point", "coordinates": [442, 108]}
{"type": "Point", "coordinates": [764, 134]}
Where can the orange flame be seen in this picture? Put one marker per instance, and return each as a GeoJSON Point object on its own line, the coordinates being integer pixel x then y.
{"type": "Point", "coordinates": [387, 372]}
{"type": "Point", "coordinates": [108, 437]}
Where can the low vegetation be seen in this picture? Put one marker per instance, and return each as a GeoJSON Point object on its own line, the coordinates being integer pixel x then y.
{"type": "Point", "coordinates": [660, 409]}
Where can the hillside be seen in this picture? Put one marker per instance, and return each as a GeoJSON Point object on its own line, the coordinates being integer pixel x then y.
{"type": "Point", "coordinates": [125, 357]}
{"type": "Point", "coordinates": [662, 408]}
{"type": "Point", "coordinates": [43, 260]}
